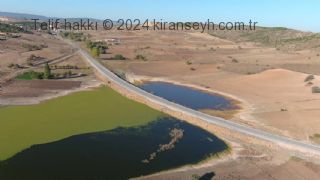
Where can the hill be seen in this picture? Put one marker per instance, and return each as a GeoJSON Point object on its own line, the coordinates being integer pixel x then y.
{"type": "Point", "coordinates": [278, 37]}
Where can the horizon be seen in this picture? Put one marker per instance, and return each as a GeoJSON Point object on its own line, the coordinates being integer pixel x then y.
{"type": "Point", "coordinates": [176, 11]}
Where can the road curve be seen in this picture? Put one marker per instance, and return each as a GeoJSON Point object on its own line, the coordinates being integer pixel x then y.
{"type": "Point", "coordinates": [233, 126]}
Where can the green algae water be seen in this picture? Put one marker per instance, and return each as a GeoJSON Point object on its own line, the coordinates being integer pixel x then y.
{"type": "Point", "coordinates": [78, 113]}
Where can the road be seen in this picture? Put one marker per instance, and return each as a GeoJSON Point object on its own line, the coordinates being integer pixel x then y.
{"type": "Point", "coordinates": [233, 126]}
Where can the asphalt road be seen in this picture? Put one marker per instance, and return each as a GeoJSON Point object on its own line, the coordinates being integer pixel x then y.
{"type": "Point", "coordinates": [233, 126]}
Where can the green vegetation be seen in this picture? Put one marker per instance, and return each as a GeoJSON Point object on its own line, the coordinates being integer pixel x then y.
{"type": "Point", "coordinates": [95, 52]}
{"type": "Point", "coordinates": [75, 36]}
{"type": "Point", "coordinates": [119, 57]}
{"type": "Point", "coordinates": [33, 58]}
{"type": "Point", "coordinates": [37, 75]}
{"type": "Point", "coordinates": [31, 47]}
{"type": "Point", "coordinates": [68, 66]}
{"type": "Point", "coordinates": [30, 75]}
{"type": "Point", "coordinates": [302, 38]}
{"type": "Point", "coordinates": [309, 78]}
{"type": "Point", "coordinates": [277, 37]}
{"type": "Point", "coordinates": [315, 138]}
{"type": "Point", "coordinates": [120, 73]}
{"type": "Point", "coordinates": [140, 57]}
{"type": "Point", "coordinates": [189, 62]}
{"type": "Point", "coordinates": [14, 66]}
{"type": "Point", "coordinates": [315, 89]}
{"type": "Point", "coordinates": [10, 28]}
{"type": "Point", "coordinates": [96, 48]}
{"type": "Point", "coordinates": [78, 113]}
{"type": "Point", "coordinates": [47, 72]}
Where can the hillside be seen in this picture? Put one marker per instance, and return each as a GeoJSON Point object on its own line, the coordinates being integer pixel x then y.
{"type": "Point", "coordinates": [278, 37]}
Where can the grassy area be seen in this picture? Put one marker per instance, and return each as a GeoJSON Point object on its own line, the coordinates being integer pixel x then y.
{"type": "Point", "coordinates": [75, 36]}
{"type": "Point", "coordinates": [82, 112]}
{"type": "Point", "coordinates": [30, 75]}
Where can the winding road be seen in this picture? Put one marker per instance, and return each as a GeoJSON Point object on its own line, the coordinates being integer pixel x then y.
{"type": "Point", "coordinates": [233, 126]}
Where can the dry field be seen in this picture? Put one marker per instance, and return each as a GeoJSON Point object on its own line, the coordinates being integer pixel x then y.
{"type": "Point", "coordinates": [14, 55]}
{"type": "Point", "coordinates": [270, 82]}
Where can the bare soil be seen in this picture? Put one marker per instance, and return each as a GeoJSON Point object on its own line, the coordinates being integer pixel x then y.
{"type": "Point", "coordinates": [268, 81]}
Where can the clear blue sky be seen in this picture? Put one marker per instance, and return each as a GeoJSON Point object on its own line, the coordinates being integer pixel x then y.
{"type": "Point", "coordinates": [298, 14]}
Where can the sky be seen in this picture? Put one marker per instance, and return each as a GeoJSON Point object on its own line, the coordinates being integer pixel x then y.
{"type": "Point", "coordinates": [297, 14]}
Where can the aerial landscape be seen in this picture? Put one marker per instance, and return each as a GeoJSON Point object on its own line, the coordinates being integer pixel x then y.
{"type": "Point", "coordinates": [203, 90]}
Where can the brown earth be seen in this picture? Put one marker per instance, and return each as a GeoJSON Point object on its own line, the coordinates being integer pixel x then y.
{"type": "Point", "coordinates": [35, 88]}
{"type": "Point", "coordinates": [268, 81]}
{"type": "Point", "coordinates": [274, 97]}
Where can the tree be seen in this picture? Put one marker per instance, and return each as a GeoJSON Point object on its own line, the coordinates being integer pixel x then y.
{"type": "Point", "coordinates": [95, 52]}
{"type": "Point", "coordinates": [47, 71]}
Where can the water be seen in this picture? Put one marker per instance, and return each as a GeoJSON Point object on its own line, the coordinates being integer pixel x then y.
{"type": "Point", "coordinates": [113, 154]}
{"type": "Point", "coordinates": [188, 97]}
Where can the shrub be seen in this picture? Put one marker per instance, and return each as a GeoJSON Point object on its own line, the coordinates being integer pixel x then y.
{"type": "Point", "coordinates": [141, 57]}
{"type": "Point", "coordinates": [315, 89]}
{"type": "Point", "coordinates": [75, 36]}
{"type": "Point", "coordinates": [189, 62]}
{"type": "Point", "coordinates": [120, 74]}
{"type": "Point", "coordinates": [31, 47]}
{"type": "Point", "coordinates": [235, 60]}
{"type": "Point", "coordinates": [14, 66]}
{"type": "Point", "coordinates": [47, 71]}
{"type": "Point", "coordinates": [95, 52]}
{"type": "Point", "coordinates": [309, 78]}
{"type": "Point", "coordinates": [97, 48]}
{"type": "Point", "coordinates": [10, 28]}
{"type": "Point", "coordinates": [30, 75]}
{"type": "Point", "coordinates": [119, 57]}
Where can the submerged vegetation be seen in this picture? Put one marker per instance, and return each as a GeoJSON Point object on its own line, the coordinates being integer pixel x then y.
{"type": "Point", "coordinates": [116, 153]}
{"type": "Point", "coordinates": [176, 135]}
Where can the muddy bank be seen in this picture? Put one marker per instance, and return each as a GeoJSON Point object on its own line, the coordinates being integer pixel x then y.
{"type": "Point", "coordinates": [28, 92]}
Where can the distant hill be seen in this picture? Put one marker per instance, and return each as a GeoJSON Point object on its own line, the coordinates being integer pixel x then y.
{"type": "Point", "coordinates": [278, 37]}
{"type": "Point", "coordinates": [24, 17]}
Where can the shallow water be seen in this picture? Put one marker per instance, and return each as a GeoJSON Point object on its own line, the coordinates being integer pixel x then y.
{"type": "Point", "coordinates": [113, 154]}
{"type": "Point", "coordinates": [189, 97]}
